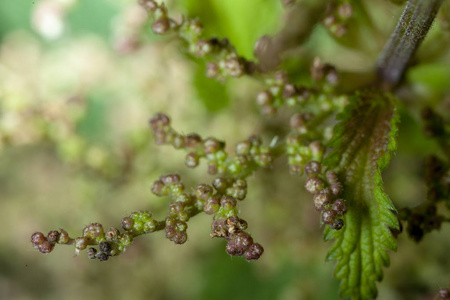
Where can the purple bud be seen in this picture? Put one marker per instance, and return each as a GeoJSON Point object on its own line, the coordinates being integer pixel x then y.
{"type": "Point", "coordinates": [170, 232]}
{"type": "Point", "coordinates": [203, 191]}
{"type": "Point", "coordinates": [328, 216]}
{"type": "Point", "coordinates": [314, 185]}
{"type": "Point", "coordinates": [81, 243]}
{"type": "Point", "coordinates": [159, 121]}
{"type": "Point", "coordinates": [105, 247]}
{"type": "Point", "coordinates": [170, 179]}
{"type": "Point", "coordinates": [46, 247]}
{"type": "Point", "coordinates": [337, 224]}
{"type": "Point", "coordinates": [264, 98]}
{"type": "Point", "coordinates": [63, 237]}
{"type": "Point", "coordinates": [254, 252]}
{"type": "Point", "coordinates": [212, 205]}
{"type": "Point", "coordinates": [321, 199]}
{"type": "Point", "coordinates": [212, 70]}
{"type": "Point", "coordinates": [243, 241]}
{"type": "Point", "coordinates": [312, 168]}
{"type": "Point", "coordinates": [158, 188]}
{"type": "Point", "coordinates": [91, 253]}
{"type": "Point", "coordinates": [228, 202]}
{"type": "Point", "coordinates": [112, 234]}
{"type": "Point", "coordinates": [53, 236]}
{"type": "Point", "coordinates": [180, 238]}
{"type": "Point", "coordinates": [37, 238]}
{"type": "Point", "coordinates": [192, 160]}
{"type": "Point", "coordinates": [161, 26]}
{"type": "Point", "coordinates": [127, 223]}
{"type": "Point", "coordinates": [220, 184]}
{"type": "Point", "coordinates": [339, 207]}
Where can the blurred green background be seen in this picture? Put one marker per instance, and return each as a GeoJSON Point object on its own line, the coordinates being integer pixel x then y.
{"type": "Point", "coordinates": [75, 98]}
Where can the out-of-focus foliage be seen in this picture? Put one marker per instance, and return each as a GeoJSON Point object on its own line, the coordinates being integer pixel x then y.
{"type": "Point", "coordinates": [75, 149]}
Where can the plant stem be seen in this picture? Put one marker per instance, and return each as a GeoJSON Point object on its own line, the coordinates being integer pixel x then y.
{"type": "Point", "coordinates": [412, 28]}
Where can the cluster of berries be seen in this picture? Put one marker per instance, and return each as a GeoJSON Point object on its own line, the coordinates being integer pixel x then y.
{"type": "Point", "coordinates": [326, 194]}
{"type": "Point", "coordinates": [227, 62]}
{"type": "Point", "coordinates": [239, 242]}
{"type": "Point", "coordinates": [337, 18]}
{"type": "Point", "coordinates": [250, 153]}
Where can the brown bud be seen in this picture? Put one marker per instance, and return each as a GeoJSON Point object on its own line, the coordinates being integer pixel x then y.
{"type": "Point", "coordinates": [53, 236]}
{"type": "Point", "coordinates": [46, 247]}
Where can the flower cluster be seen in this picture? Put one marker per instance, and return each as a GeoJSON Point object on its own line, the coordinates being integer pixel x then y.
{"type": "Point", "coordinates": [326, 192]}
{"type": "Point", "coordinates": [239, 241]}
{"type": "Point", "coordinates": [443, 294]}
{"type": "Point", "coordinates": [425, 218]}
{"type": "Point", "coordinates": [250, 154]}
{"type": "Point", "coordinates": [337, 17]}
{"type": "Point", "coordinates": [225, 60]}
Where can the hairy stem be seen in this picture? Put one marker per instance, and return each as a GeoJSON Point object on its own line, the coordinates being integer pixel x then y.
{"type": "Point", "coordinates": [412, 28]}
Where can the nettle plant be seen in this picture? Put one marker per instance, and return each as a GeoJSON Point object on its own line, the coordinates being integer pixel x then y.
{"type": "Point", "coordinates": [342, 135]}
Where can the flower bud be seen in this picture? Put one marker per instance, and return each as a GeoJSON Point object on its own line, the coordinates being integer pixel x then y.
{"type": "Point", "coordinates": [102, 256]}
{"type": "Point", "coordinates": [314, 185]}
{"type": "Point", "coordinates": [321, 200]}
{"type": "Point", "coordinates": [93, 230]}
{"type": "Point", "coordinates": [243, 241]}
{"type": "Point", "coordinates": [336, 188]}
{"type": "Point", "coordinates": [212, 70]}
{"type": "Point", "coordinates": [105, 247]}
{"type": "Point", "coordinates": [212, 205]}
{"type": "Point", "coordinates": [46, 247]}
{"type": "Point", "coordinates": [211, 145]}
{"type": "Point", "coordinates": [127, 223]}
{"type": "Point", "coordinates": [37, 238]}
{"type": "Point", "coordinates": [328, 216]}
{"type": "Point", "coordinates": [161, 26]}
{"type": "Point", "coordinates": [170, 179]}
{"type": "Point", "coordinates": [63, 237]}
{"type": "Point", "coordinates": [339, 207]}
{"type": "Point", "coordinates": [254, 252]}
{"type": "Point", "coordinates": [112, 234]}
{"type": "Point", "coordinates": [243, 148]}
{"type": "Point", "coordinates": [81, 243]}
{"type": "Point", "coordinates": [53, 236]}
{"type": "Point", "coordinates": [220, 184]}
{"type": "Point", "coordinates": [203, 191]}
{"type": "Point", "coordinates": [192, 160]}
{"type": "Point", "coordinates": [91, 253]}
{"type": "Point", "coordinates": [180, 238]}
{"type": "Point", "coordinates": [159, 121]}
{"type": "Point", "coordinates": [228, 202]}
{"type": "Point", "coordinates": [337, 224]}
{"type": "Point", "coordinates": [264, 98]}
{"type": "Point", "coordinates": [193, 140]}
{"type": "Point", "coordinates": [312, 168]}
{"type": "Point", "coordinates": [170, 232]}
{"type": "Point", "coordinates": [158, 188]}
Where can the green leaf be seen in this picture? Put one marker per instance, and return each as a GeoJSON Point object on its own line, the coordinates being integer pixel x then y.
{"type": "Point", "coordinates": [363, 142]}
